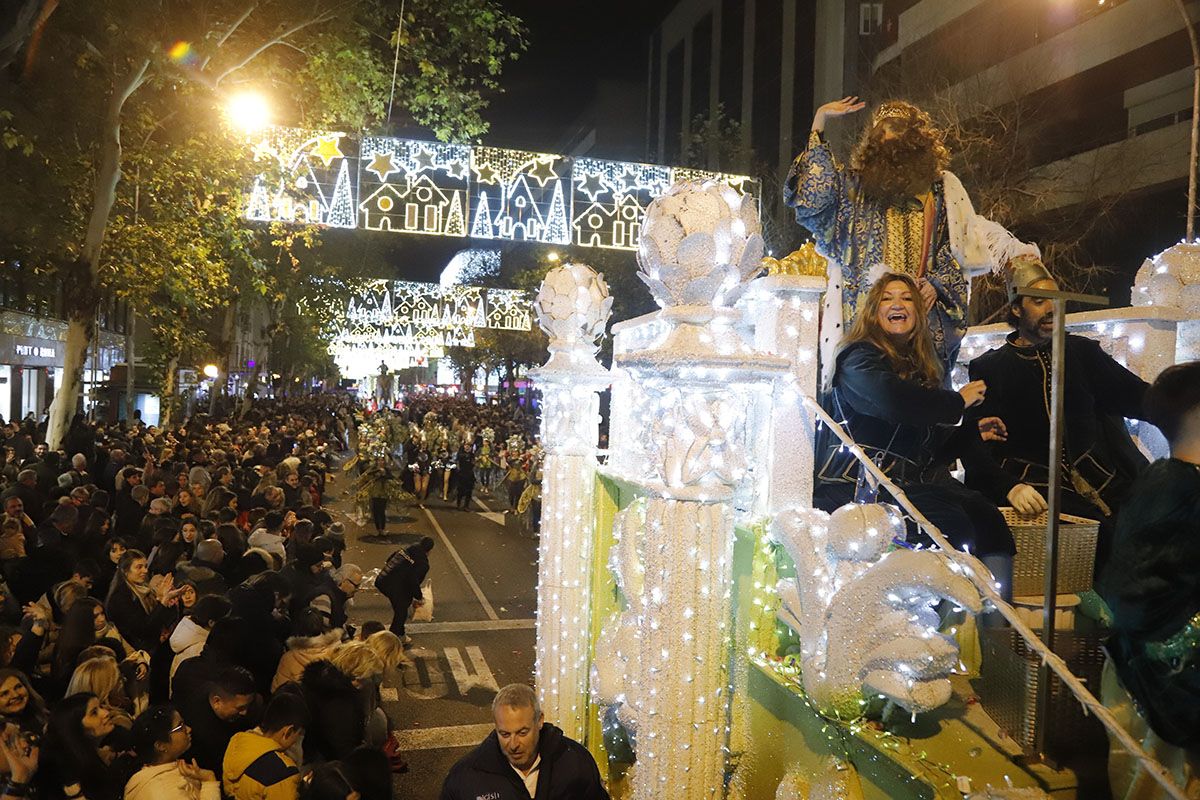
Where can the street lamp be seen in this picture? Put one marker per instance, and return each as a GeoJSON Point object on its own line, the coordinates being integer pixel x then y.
{"type": "Point", "coordinates": [552, 255]}
{"type": "Point", "coordinates": [248, 111]}
{"type": "Point", "coordinates": [211, 371]}
{"type": "Point", "coordinates": [1191, 29]}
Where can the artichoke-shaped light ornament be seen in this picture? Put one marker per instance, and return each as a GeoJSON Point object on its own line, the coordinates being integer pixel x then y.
{"type": "Point", "coordinates": [573, 306]}
{"type": "Point", "coordinates": [701, 244]}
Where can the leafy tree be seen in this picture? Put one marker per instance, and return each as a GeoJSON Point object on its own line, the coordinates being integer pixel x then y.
{"type": "Point", "coordinates": [105, 64]}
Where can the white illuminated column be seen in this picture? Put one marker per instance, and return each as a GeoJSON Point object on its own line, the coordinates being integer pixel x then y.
{"type": "Point", "coordinates": [787, 311]}
{"type": "Point", "coordinates": [693, 393]}
{"type": "Point", "coordinates": [573, 306]}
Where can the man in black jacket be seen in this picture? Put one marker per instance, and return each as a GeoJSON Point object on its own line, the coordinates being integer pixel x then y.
{"type": "Point", "coordinates": [524, 758]}
{"type": "Point", "coordinates": [400, 581]}
{"type": "Point", "coordinates": [1100, 460]}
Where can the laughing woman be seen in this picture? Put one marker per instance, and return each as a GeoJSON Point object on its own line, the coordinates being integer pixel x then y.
{"type": "Point", "coordinates": [887, 393]}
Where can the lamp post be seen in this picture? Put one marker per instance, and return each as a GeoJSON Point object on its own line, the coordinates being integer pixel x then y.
{"type": "Point", "coordinates": [1191, 30]}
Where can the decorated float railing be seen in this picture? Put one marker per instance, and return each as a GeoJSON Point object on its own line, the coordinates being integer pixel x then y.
{"type": "Point", "coordinates": [651, 646]}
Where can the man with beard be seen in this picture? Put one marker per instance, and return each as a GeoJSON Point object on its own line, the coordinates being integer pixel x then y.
{"type": "Point", "coordinates": [895, 209]}
{"type": "Point", "coordinates": [1100, 460]}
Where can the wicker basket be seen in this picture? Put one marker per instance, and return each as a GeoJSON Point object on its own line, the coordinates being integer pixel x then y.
{"type": "Point", "coordinates": [1008, 689]}
{"type": "Point", "coordinates": [1076, 553]}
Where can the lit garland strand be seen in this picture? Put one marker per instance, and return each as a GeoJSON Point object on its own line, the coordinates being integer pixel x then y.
{"type": "Point", "coordinates": [1086, 698]}
{"type": "Point", "coordinates": [573, 305]}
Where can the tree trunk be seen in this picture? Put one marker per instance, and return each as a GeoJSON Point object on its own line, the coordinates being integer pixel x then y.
{"type": "Point", "coordinates": [81, 327]}
{"type": "Point", "coordinates": [251, 389]}
{"type": "Point", "coordinates": [224, 350]}
{"type": "Point", "coordinates": [130, 378]}
{"type": "Point", "coordinates": [169, 398]}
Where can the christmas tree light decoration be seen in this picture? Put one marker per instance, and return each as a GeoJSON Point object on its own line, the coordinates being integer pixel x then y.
{"type": "Point", "coordinates": [573, 306]}
{"type": "Point", "coordinates": [408, 187]}
{"type": "Point", "coordinates": [407, 324]}
{"type": "Point", "coordinates": [439, 189]}
{"type": "Point", "coordinates": [300, 183]}
{"type": "Point", "coordinates": [529, 203]}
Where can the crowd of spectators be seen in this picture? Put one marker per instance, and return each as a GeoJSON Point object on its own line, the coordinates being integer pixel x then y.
{"type": "Point", "coordinates": [173, 614]}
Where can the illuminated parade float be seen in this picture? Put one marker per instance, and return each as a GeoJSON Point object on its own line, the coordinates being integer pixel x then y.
{"type": "Point", "coordinates": [702, 628]}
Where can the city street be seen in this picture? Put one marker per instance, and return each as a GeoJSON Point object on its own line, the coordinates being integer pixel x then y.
{"type": "Point", "coordinates": [484, 580]}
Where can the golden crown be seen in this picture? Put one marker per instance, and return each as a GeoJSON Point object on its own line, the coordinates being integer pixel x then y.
{"type": "Point", "coordinates": [889, 110]}
{"type": "Point", "coordinates": [805, 261]}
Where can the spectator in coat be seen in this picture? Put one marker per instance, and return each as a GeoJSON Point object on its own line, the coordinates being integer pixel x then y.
{"type": "Point", "coordinates": [521, 755]}
{"type": "Point", "coordinates": [142, 613]}
{"type": "Point", "coordinates": [161, 737]}
{"type": "Point", "coordinates": [400, 581]}
{"type": "Point", "coordinates": [257, 765]}
{"type": "Point", "coordinates": [224, 708]}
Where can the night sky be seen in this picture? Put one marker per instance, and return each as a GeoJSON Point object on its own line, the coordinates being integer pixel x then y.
{"type": "Point", "coordinates": [572, 44]}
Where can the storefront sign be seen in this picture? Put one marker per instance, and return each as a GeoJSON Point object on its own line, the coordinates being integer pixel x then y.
{"type": "Point", "coordinates": [31, 350]}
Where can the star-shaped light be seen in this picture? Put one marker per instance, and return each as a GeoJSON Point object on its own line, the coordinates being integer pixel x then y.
{"type": "Point", "coordinates": [423, 159]}
{"type": "Point", "coordinates": [327, 149]}
{"type": "Point", "coordinates": [543, 171]}
{"type": "Point", "coordinates": [456, 169]}
{"type": "Point", "coordinates": [382, 165]}
{"type": "Point", "coordinates": [630, 178]}
{"type": "Point", "coordinates": [593, 186]}
{"type": "Point", "coordinates": [485, 174]}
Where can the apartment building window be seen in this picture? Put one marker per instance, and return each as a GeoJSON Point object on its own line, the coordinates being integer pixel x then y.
{"type": "Point", "coordinates": [733, 28]}
{"type": "Point", "coordinates": [673, 121]}
{"type": "Point", "coordinates": [870, 18]}
{"type": "Point", "coordinates": [768, 55]}
{"type": "Point", "coordinates": [701, 66]}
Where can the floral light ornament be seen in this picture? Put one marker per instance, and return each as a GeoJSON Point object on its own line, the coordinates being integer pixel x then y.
{"type": "Point", "coordinates": [701, 245]}
{"type": "Point", "coordinates": [865, 615]}
{"type": "Point", "coordinates": [573, 306]}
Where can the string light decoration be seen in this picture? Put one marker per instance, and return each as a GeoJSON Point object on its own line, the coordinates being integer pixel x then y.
{"type": "Point", "coordinates": [519, 196]}
{"type": "Point", "coordinates": [414, 187]}
{"type": "Point", "coordinates": [406, 324]}
{"type": "Point", "coordinates": [662, 665]}
{"type": "Point", "coordinates": [572, 306]}
{"type": "Point", "coordinates": [306, 179]}
{"type": "Point", "coordinates": [438, 189]}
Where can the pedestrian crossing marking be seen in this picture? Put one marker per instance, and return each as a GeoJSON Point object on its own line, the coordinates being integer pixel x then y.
{"type": "Point", "coordinates": [482, 679]}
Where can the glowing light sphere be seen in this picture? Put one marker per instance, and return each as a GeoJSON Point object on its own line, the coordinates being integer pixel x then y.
{"type": "Point", "coordinates": [182, 53]}
{"type": "Point", "coordinates": [248, 111]}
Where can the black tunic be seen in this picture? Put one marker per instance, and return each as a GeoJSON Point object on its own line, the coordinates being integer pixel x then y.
{"type": "Point", "coordinates": [1098, 392]}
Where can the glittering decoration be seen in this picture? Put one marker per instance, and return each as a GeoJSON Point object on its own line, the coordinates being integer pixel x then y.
{"type": "Point", "coordinates": [405, 324]}
{"type": "Point", "coordinates": [573, 306]}
{"type": "Point", "coordinates": [1170, 280]}
{"type": "Point", "coordinates": [662, 664]}
{"type": "Point", "coordinates": [805, 261]}
{"type": "Point", "coordinates": [838, 780]}
{"type": "Point", "coordinates": [701, 245]}
{"type": "Point", "coordinates": [865, 615]}
{"type": "Point", "coordinates": [305, 179]}
{"type": "Point", "coordinates": [519, 196]}
{"type": "Point", "coordinates": [414, 187]}
{"type": "Point", "coordinates": [439, 189]}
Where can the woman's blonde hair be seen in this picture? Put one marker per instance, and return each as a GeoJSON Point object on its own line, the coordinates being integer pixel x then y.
{"type": "Point", "coordinates": [99, 676]}
{"type": "Point", "coordinates": [915, 359]}
{"type": "Point", "coordinates": [357, 660]}
{"type": "Point", "coordinates": [388, 647]}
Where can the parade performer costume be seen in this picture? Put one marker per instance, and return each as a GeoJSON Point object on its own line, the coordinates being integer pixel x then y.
{"type": "Point", "coordinates": [896, 208]}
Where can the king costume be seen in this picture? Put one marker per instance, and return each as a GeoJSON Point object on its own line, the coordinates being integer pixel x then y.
{"type": "Point", "coordinates": [938, 237]}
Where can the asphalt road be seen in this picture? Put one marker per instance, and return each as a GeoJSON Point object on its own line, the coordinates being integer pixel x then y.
{"type": "Point", "coordinates": [484, 580]}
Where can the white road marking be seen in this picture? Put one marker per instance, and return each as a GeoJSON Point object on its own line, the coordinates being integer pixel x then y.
{"type": "Point", "coordinates": [418, 628]}
{"type": "Point", "coordinates": [486, 678]}
{"type": "Point", "coordinates": [483, 601]}
{"type": "Point", "coordinates": [484, 506]}
{"type": "Point", "coordinates": [424, 679]}
{"type": "Point", "coordinates": [439, 738]}
{"type": "Point", "coordinates": [483, 678]}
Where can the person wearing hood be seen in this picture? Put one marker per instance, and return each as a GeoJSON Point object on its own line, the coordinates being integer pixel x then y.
{"type": "Point", "coordinates": [312, 640]}
{"type": "Point", "coordinates": [188, 638]}
{"type": "Point", "coordinates": [524, 757]}
{"type": "Point", "coordinates": [257, 765]}
{"type": "Point", "coordinates": [161, 738]}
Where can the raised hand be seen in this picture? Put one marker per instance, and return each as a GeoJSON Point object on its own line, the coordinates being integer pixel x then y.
{"type": "Point", "coordinates": [836, 108]}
